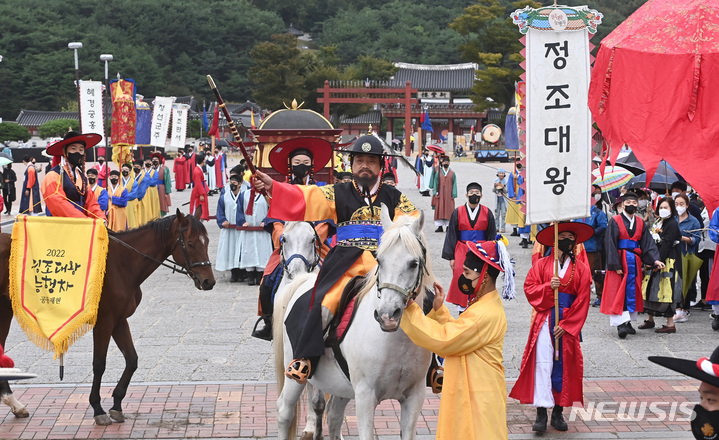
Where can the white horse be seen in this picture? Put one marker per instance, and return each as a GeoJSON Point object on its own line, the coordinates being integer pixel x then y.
{"type": "Point", "coordinates": [382, 361]}
{"type": "Point", "coordinates": [300, 256]}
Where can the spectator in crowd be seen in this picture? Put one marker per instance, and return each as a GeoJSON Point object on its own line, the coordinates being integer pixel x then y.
{"type": "Point", "coordinates": [500, 189]}
{"type": "Point", "coordinates": [595, 249]}
{"type": "Point", "coordinates": [663, 289]}
{"type": "Point", "coordinates": [8, 189]}
{"type": "Point", "coordinates": [691, 235]}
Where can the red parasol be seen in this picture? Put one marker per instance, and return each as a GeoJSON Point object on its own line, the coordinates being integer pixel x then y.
{"type": "Point", "coordinates": [436, 148]}
{"type": "Point", "coordinates": [654, 88]}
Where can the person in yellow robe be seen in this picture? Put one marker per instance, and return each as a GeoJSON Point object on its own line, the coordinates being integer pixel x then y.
{"type": "Point", "coordinates": [152, 197]}
{"type": "Point", "coordinates": [117, 206]}
{"type": "Point", "coordinates": [474, 393]}
{"type": "Point", "coordinates": [128, 182]}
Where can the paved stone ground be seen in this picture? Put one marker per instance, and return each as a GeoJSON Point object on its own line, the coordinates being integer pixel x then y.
{"type": "Point", "coordinates": [185, 336]}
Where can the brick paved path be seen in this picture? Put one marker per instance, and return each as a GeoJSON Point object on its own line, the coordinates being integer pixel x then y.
{"type": "Point", "coordinates": [247, 410]}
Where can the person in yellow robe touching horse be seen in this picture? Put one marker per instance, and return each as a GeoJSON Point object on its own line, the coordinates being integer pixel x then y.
{"type": "Point", "coordinates": [474, 394]}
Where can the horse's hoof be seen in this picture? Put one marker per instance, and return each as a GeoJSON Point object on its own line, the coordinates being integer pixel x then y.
{"type": "Point", "coordinates": [103, 420]}
{"type": "Point", "coordinates": [307, 436]}
{"type": "Point", "coordinates": [21, 413]}
{"type": "Point", "coordinates": [117, 416]}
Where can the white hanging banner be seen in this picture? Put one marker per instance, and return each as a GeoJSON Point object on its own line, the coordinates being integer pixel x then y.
{"type": "Point", "coordinates": [558, 121]}
{"type": "Point", "coordinates": [161, 113]}
{"type": "Point", "coordinates": [91, 115]}
{"type": "Point", "coordinates": [180, 113]}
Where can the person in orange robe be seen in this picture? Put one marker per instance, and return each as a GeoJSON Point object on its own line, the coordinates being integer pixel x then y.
{"type": "Point", "coordinates": [545, 381]}
{"type": "Point", "coordinates": [65, 187]}
{"type": "Point", "coordinates": [198, 198]}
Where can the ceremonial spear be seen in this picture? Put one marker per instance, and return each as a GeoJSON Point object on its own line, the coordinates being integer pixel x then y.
{"type": "Point", "coordinates": [238, 139]}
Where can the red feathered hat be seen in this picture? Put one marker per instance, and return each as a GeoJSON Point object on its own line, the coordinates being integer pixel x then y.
{"type": "Point", "coordinates": [71, 137]}
{"type": "Point", "coordinates": [582, 231]}
{"type": "Point", "coordinates": [159, 156]}
{"type": "Point", "coordinates": [320, 152]}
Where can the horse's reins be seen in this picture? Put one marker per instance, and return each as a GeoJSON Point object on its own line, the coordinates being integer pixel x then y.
{"type": "Point", "coordinates": [310, 266]}
{"type": "Point", "coordinates": [412, 292]}
{"type": "Point", "coordinates": [185, 269]}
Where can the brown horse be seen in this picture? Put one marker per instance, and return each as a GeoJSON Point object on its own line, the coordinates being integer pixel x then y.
{"type": "Point", "coordinates": [132, 257]}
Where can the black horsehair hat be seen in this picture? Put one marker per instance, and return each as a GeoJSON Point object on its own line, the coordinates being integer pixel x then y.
{"type": "Point", "coordinates": [367, 144]}
{"type": "Point", "coordinates": [388, 176]}
{"type": "Point", "coordinates": [474, 185]}
{"type": "Point", "coordinates": [705, 369]}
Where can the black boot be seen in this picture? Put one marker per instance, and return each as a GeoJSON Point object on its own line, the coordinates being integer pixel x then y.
{"type": "Point", "coordinates": [630, 329]}
{"type": "Point", "coordinates": [515, 233]}
{"type": "Point", "coordinates": [558, 420]}
{"type": "Point", "coordinates": [524, 243]}
{"type": "Point", "coordinates": [242, 275]}
{"type": "Point", "coordinates": [251, 278]}
{"type": "Point", "coordinates": [233, 277]}
{"type": "Point", "coordinates": [540, 425]}
{"type": "Point", "coordinates": [266, 331]}
{"type": "Point", "coordinates": [622, 331]}
{"type": "Point", "coordinates": [715, 322]}
{"type": "Point", "coordinates": [439, 229]}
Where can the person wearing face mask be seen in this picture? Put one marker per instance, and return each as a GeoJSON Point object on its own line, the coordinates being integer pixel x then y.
{"type": "Point", "coordinates": [545, 382]}
{"type": "Point", "coordinates": [210, 175]}
{"type": "Point", "coordinates": [662, 290]}
{"type": "Point", "coordinates": [602, 200]}
{"type": "Point", "coordinates": [198, 198]}
{"type": "Point", "coordinates": [469, 223]}
{"type": "Point", "coordinates": [101, 168]}
{"type": "Point", "coordinates": [473, 404]}
{"type": "Point", "coordinates": [190, 160]}
{"type": "Point", "coordinates": [117, 209]}
{"type": "Point", "coordinates": [500, 189]}
{"type": "Point", "coordinates": [424, 166]}
{"type": "Point", "coordinates": [387, 179]}
{"type": "Point", "coordinates": [295, 159]}
{"type": "Point", "coordinates": [65, 188]}
{"type": "Point", "coordinates": [705, 417]}
{"type": "Point", "coordinates": [30, 196]}
{"type": "Point", "coordinates": [127, 180]}
{"type": "Point", "coordinates": [356, 209]}
{"type": "Point", "coordinates": [228, 246]}
{"type": "Point", "coordinates": [100, 192]}
{"type": "Point", "coordinates": [691, 235]}
{"type": "Point", "coordinates": [444, 185]}
{"type": "Point", "coordinates": [164, 185]}
{"type": "Point", "coordinates": [220, 167]}
{"type": "Point", "coordinates": [628, 244]}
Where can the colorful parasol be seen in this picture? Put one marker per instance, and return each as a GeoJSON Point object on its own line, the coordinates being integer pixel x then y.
{"type": "Point", "coordinates": [654, 88]}
{"type": "Point", "coordinates": [614, 177]}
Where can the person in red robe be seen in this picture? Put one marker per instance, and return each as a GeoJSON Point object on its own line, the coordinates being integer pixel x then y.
{"type": "Point", "coordinates": [444, 186]}
{"type": "Point", "coordinates": [190, 158]}
{"type": "Point", "coordinates": [628, 244]}
{"type": "Point", "coordinates": [471, 222]}
{"type": "Point", "coordinates": [198, 198]}
{"type": "Point", "coordinates": [179, 167]}
{"type": "Point", "coordinates": [220, 164]}
{"type": "Point", "coordinates": [544, 381]}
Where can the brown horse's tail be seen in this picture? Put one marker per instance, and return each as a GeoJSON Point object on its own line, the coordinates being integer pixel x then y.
{"type": "Point", "coordinates": [278, 330]}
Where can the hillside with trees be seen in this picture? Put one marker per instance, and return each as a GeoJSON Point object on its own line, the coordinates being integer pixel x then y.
{"type": "Point", "coordinates": [168, 47]}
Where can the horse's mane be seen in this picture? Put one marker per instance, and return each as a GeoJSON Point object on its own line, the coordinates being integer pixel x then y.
{"type": "Point", "coordinates": [400, 234]}
{"type": "Point", "coordinates": [160, 226]}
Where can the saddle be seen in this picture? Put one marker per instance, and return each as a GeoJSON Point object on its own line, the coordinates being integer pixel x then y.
{"type": "Point", "coordinates": [346, 311]}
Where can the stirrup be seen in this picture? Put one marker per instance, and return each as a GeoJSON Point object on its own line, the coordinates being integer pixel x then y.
{"type": "Point", "coordinates": [299, 370]}
{"type": "Point", "coordinates": [437, 379]}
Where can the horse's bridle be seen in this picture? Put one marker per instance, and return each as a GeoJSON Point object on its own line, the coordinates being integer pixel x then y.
{"type": "Point", "coordinates": [310, 266]}
{"type": "Point", "coordinates": [413, 291]}
{"type": "Point", "coordinates": [185, 269]}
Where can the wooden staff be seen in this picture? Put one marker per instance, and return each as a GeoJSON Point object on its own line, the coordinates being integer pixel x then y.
{"type": "Point", "coordinates": [238, 139]}
{"type": "Point", "coordinates": [556, 290]}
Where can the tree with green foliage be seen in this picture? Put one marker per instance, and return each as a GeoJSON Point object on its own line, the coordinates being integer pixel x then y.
{"type": "Point", "coordinates": [278, 73]}
{"type": "Point", "coordinates": [492, 41]}
{"type": "Point", "coordinates": [10, 131]}
{"type": "Point", "coordinates": [58, 127]}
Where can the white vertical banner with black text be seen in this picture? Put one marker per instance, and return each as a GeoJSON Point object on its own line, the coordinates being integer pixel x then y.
{"type": "Point", "coordinates": [91, 108]}
{"type": "Point", "coordinates": [558, 121]}
{"type": "Point", "coordinates": [161, 113]}
{"type": "Point", "coordinates": [180, 113]}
